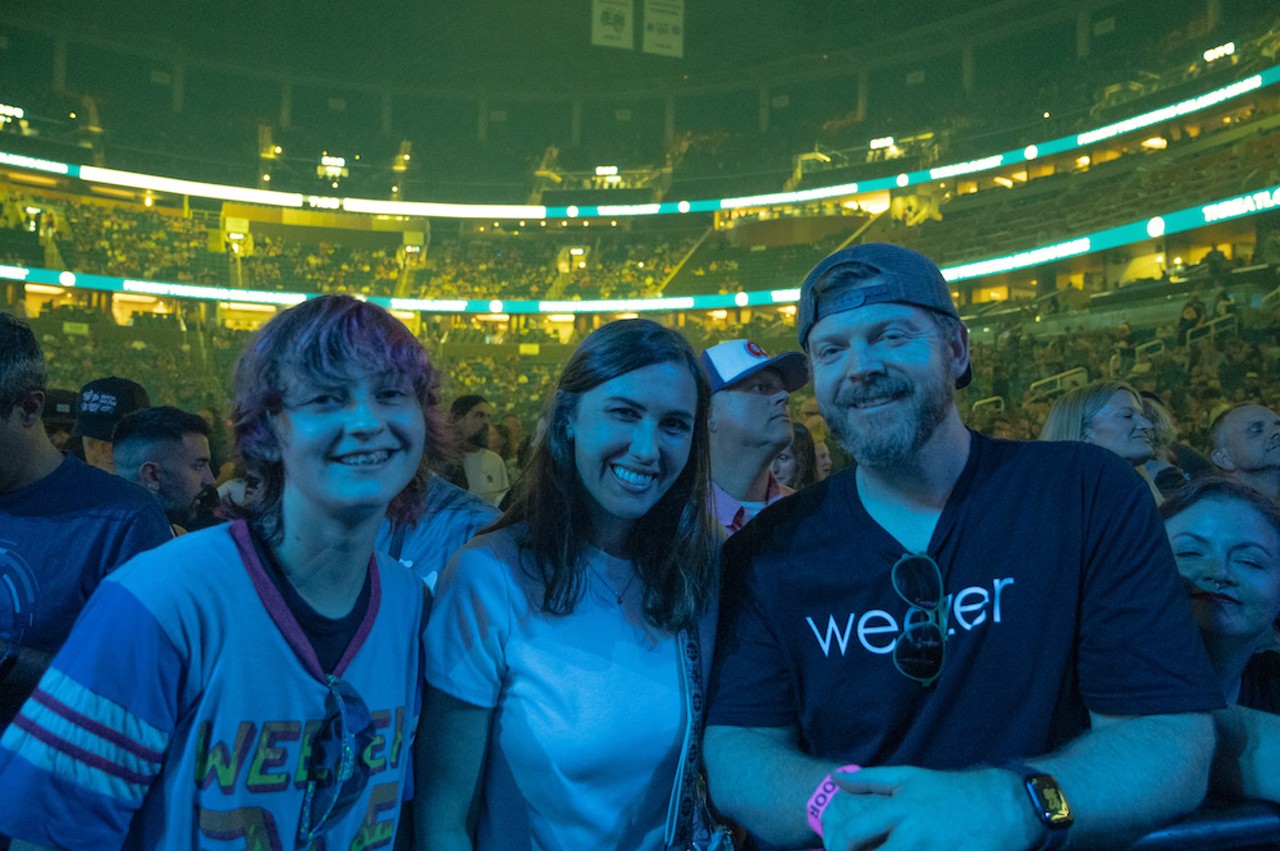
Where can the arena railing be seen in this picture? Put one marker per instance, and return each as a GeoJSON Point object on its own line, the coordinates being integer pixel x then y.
{"type": "Point", "coordinates": [1077, 377]}
{"type": "Point", "coordinates": [1248, 824]}
{"type": "Point", "coordinates": [1215, 328]}
{"type": "Point", "coordinates": [1271, 299]}
{"type": "Point", "coordinates": [1147, 349]}
{"type": "Point", "coordinates": [995, 403]}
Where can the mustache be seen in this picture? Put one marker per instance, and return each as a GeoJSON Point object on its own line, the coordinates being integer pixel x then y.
{"type": "Point", "coordinates": [878, 388]}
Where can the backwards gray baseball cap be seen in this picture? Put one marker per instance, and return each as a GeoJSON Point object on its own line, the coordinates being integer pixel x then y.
{"type": "Point", "coordinates": [884, 273]}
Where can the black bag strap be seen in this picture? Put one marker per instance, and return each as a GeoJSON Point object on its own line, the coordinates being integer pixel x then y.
{"type": "Point", "coordinates": [398, 532]}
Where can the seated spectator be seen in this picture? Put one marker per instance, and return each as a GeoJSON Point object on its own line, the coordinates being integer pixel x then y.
{"type": "Point", "coordinates": [65, 525]}
{"type": "Point", "coordinates": [1107, 413]}
{"type": "Point", "coordinates": [1245, 444]}
{"type": "Point", "coordinates": [283, 634]}
{"type": "Point", "coordinates": [166, 451]}
{"type": "Point", "coordinates": [1226, 539]}
{"type": "Point", "coordinates": [796, 466]}
{"type": "Point", "coordinates": [100, 406]}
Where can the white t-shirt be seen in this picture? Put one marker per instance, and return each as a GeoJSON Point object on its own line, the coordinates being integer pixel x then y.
{"type": "Point", "coordinates": [588, 716]}
{"type": "Point", "coordinates": [486, 474]}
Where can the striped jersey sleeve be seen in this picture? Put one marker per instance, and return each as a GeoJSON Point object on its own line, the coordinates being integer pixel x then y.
{"type": "Point", "coordinates": [79, 758]}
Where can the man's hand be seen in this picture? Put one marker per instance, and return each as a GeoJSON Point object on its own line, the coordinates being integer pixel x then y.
{"type": "Point", "coordinates": [905, 809]}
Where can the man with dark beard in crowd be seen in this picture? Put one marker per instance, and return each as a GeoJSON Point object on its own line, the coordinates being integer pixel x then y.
{"type": "Point", "coordinates": [486, 471]}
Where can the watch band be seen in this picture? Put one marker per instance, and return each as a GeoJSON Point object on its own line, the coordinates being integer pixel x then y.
{"type": "Point", "coordinates": [1055, 832]}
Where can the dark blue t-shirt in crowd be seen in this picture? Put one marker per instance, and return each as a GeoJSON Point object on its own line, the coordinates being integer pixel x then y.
{"type": "Point", "coordinates": [1063, 597]}
{"type": "Point", "coordinates": [58, 538]}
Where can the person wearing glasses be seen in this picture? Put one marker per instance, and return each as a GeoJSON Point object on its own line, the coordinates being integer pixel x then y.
{"type": "Point", "coordinates": [994, 631]}
{"type": "Point", "coordinates": [1226, 539]}
{"type": "Point", "coordinates": [255, 684]}
{"type": "Point", "coordinates": [566, 644]}
{"type": "Point", "coordinates": [749, 425]}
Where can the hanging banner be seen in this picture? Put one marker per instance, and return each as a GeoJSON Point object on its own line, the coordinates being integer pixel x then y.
{"type": "Point", "coordinates": [612, 23]}
{"type": "Point", "coordinates": [664, 27]}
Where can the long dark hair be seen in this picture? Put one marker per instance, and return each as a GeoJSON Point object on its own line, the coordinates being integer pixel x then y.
{"type": "Point", "coordinates": [806, 456]}
{"type": "Point", "coordinates": [675, 546]}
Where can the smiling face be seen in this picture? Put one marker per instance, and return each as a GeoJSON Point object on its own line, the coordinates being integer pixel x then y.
{"type": "Point", "coordinates": [1229, 556]}
{"type": "Point", "coordinates": [631, 440]}
{"type": "Point", "coordinates": [1120, 426]}
{"type": "Point", "coordinates": [884, 376]}
{"type": "Point", "coordinates": [348, 449]}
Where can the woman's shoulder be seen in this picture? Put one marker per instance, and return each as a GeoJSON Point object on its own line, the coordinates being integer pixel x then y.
{"type": "Point", "coordinates": [499, 547]}
{"type": "Point", "coordinates": [493, 560]}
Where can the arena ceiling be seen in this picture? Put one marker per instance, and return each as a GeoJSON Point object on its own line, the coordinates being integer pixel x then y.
{"type": "Point", "coordinates": [518, 43]}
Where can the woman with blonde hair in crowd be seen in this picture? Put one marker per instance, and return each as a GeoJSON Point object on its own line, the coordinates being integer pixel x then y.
{"type": "Point", "coordinates": [1107, 413]}
{"type": "Point", "coordinates": [568, 644]}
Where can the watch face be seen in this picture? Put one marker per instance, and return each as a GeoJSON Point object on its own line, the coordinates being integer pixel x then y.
{"type": "Point", "coordinates": [1054, 809]}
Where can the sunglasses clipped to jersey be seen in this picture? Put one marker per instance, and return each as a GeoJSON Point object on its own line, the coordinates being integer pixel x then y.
{"type": "Point", "coordinates": [336, 775]}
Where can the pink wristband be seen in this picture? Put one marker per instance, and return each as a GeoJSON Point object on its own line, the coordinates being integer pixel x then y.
{"type": "Point", "coordinates": [822, 796]}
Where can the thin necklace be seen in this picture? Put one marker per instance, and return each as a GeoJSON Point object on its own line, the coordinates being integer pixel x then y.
{"type": "Point", "coordinates": [617, 594]}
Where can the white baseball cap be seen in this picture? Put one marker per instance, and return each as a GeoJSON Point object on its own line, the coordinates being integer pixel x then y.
{"type": "Point", "coordinates": [730, 362]}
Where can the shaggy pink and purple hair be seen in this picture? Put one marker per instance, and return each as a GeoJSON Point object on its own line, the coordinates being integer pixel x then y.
{"type": "Point", "coordinates": [327, 340]}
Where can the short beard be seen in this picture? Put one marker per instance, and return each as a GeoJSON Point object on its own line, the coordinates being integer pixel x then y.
{"type": "Point", "coordinates": [479, 440]}
{"type": "Point", "coordinates": [894, 437]}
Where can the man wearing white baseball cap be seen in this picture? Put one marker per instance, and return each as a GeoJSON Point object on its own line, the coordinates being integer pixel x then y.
{"type": "Point", "coordinates": [749, 425]}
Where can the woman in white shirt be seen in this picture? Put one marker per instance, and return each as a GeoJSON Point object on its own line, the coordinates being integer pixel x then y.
{"type": "Point", "coordinates": [560, 711]}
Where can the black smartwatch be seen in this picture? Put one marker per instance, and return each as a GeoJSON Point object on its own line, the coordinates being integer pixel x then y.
{"type": "Point", "coordinates": [1048, 802]}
